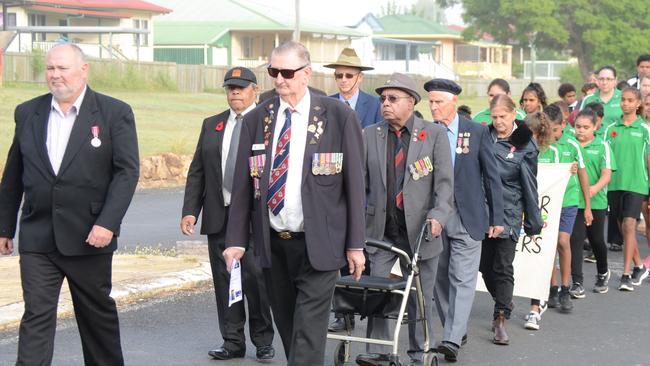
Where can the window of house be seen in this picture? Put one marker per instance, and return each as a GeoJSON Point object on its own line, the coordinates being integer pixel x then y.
{"type": "Point", "coordinates": [466, 53]}
{"type": "Point", "coordinates": [11, 19]}
{"type": "Point", "coordinates": [247, 47]}
{"type": "Point", "coordinates": [141, 39]}
{"type": "Point", "coordinates": [37, 20]}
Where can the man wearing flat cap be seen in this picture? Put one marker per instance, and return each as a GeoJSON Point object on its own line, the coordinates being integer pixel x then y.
{"type": "Point", "coordinates": [208, 190]}
{"type": "Point", "coordinates": [409, 180]}
{"type": "Point", "coordinates": [348, 73]}
{"type": "Point", "coordinates": [477, 212]}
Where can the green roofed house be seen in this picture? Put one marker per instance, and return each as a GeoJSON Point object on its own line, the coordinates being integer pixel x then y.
{"type": "Point", "coordinates": [239, 32]}
{"type": "Point", "coordinates": [414, 44]}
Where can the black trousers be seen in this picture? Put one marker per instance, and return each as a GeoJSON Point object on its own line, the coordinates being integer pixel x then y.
{"type": "Point", "coordinates": [497, 256]}
{"type": "Point", "coordinates": [596, 235]}
{"type": "Point", "coordinates": [300, 298]}
{"type": "Point", "coordinates": [89, 280]}
{"type": "Point", "coordinates": [232, 319]}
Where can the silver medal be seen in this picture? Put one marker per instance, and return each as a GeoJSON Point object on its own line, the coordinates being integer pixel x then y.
{"type": "Point", "coordinates": [96, 142]}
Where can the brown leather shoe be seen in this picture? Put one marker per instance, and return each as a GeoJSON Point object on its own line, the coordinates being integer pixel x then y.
{"type": "Point", "coordinates": [500, 335]}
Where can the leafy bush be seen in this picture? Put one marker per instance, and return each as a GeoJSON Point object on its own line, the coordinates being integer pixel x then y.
{"type": "Point", "coordinates": [571, 74]}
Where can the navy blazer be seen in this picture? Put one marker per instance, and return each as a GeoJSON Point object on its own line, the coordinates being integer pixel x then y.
{"type": "Point", "coordinates": [368, 108]}
{"type": "Point", "coordinates": [477, 182]}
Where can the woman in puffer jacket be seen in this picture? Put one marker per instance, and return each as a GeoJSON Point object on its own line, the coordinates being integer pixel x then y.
{"type": "Point", "coordinates": [516, 154]}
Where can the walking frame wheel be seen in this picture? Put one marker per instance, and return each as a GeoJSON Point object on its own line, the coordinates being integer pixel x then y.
{"type": "Point", "coordinates": [341, 353]}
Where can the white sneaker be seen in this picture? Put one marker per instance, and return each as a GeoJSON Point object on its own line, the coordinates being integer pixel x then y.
{"type": "Point", "coordinates": [533, 321]}
{"type": "Point", "coordinates": [543, 305]}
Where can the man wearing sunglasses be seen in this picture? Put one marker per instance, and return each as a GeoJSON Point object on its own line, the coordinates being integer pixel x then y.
{"type": "Point", "coordinates": [476, 180]}
{"type": "Point", "coordinates": [348, 73]}
{"type": "Point", "coordinates": [409, 180]}
{"type": "Point", "coordinates": [298, 183]}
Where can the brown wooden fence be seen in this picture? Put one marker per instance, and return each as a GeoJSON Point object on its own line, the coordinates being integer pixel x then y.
{"type": "Point", "coordinates": [19, 68]}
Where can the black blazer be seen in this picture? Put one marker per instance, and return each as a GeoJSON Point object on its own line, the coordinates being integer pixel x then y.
{"type": "Point", "coordinates": [477, 185]}
{"type": "Point", "coordinates": [332, 204]}
{"type": "Point", "coordinates": [203, 190]}
{"type": "Point", "coordinates": [94, 185]}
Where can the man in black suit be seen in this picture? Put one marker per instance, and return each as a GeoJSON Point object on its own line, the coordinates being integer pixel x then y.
{"type": "Point", "coordinates": [298, 183]}
{"type": "Point", "coordinates": [75, 158]}
{"type": "Point", "coordinates": [477, 212]}
{"type": "Point", "coordinates": [208, 190]}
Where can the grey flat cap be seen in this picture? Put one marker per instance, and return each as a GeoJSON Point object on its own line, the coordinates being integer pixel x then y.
{"type": "Point", "coordinates": [402, 82]}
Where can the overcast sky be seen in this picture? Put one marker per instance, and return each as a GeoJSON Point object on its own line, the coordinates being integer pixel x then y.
{"type": "Point", "coordinates": [348, 12]}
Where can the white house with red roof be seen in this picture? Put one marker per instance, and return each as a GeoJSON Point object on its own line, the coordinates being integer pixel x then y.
{"type": "Point", "coordinates": [119, 29]}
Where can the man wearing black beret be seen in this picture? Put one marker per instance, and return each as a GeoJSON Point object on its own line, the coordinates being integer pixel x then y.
{"type": "Point", "coordinates": [476, 180]}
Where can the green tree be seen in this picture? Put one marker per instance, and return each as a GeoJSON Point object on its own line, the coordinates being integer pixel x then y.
{"type": "Point", "coordinates": [596, 32]}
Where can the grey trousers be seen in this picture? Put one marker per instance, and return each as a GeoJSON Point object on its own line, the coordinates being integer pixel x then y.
{"type": "Point", "coordinates": [381, 263]}
{"type": "Point", "coordinates": [456, 282]}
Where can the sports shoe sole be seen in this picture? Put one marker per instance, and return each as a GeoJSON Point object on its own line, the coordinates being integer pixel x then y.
{"type": "Point", "coordinates": [643, 277]}
{"type": "Point", "coordinates": [625, 288]}
{"type": "Point", "coordinates": [602, 291]}
{"type": "Point", "coordinates": [578, 296]}
{"type": "Point", "coordinates": [531, 326]}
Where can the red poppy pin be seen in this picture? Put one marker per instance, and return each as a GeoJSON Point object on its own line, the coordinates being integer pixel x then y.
{"type": "Point", "coordinates": [484, 123]}
{"type": "Point", "coordinates": [219, 126]}
{"type": "Point", "coordinates": [614, 134]}
{"type": "Point", "coordinates": [422, 135]}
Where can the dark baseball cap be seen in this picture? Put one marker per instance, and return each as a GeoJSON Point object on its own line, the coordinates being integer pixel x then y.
{"type": "Point", "coordinates": [239, 76]}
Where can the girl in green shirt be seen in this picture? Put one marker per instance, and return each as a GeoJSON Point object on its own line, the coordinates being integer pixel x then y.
{"type": "Point", "coordinates": [628, 189]}
{"type": "Point", "coordinates": [533, 98]}
{"type": "Point", "coordinates": [599, 163]}
{"type": "Point", "coordinates": [496, 87]}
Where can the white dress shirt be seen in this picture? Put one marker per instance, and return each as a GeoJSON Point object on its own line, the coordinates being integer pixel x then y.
{"type": "Point", "coordinates": [225, 147]}
{"type": "Point", "coordinates": [59, 127]}
{"type": "Point", "coordinates": [290, 217]}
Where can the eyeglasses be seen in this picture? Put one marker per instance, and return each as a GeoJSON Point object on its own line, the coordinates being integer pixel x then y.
{"type": "Point", "coordinates": [347, 75]}
{"type": "Point", "coordinates": [286, 73]}
{"type": "Point", "coordinates": [391, 98]}
{"type": "Point", "coordinates": [605, 79]}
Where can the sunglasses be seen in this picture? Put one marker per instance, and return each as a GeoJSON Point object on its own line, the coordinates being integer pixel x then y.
{"type": "Point", "coordinates": [286, 73]}
{"type": "Point", "coordinates": [391, 98]}
{"type": "Point", "coordinates": [347, 75]}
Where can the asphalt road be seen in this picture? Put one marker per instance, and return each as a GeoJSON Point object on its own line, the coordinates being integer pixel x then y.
{"type": "Point", "coordinates": [609, 329]}
{"type": "Point", "coordinates": [153, 221]}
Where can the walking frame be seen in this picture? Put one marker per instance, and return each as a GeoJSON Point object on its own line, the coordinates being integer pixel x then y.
{"type": "Point", "coordinates": [383, 297]}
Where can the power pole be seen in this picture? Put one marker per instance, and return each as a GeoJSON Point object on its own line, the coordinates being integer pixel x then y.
{"type": "Point", "coordinates": [296, 31]}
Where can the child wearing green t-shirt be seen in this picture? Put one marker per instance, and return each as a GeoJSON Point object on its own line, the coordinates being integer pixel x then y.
{"type": "Point", "coordinates": [570, 151]}
{"type": "Point", "coordinates": [599, 163]}
{"type": "Point", "coordinates": [628, 189]}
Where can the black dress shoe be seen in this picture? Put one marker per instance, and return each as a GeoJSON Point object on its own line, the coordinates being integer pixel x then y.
{"type": "Point", "coordinates": [338, 325]}
{"type": "Point", "coordinates": [265, 352]}
{"type": "Point", "coordinates": [222, 353]}
{"type": "Point", "coordinates": [449, 350]}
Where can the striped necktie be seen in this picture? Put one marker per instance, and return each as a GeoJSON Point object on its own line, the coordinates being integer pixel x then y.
{"type": "Point", "coordinates": [400, 167]}
{"type": "Point", "coordinates": [278, 180]}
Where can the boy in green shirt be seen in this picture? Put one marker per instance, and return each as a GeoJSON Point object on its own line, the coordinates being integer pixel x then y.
{"type": "Point", "coordinates": [570, 151]}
